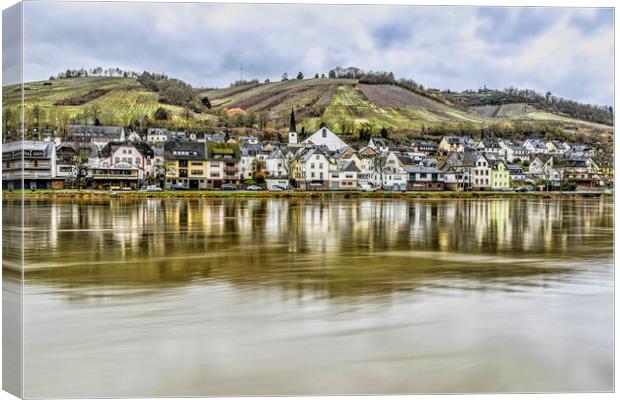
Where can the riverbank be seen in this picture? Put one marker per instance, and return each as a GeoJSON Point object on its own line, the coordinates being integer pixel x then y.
{"type": "Point", "coordinates": [102, 194]}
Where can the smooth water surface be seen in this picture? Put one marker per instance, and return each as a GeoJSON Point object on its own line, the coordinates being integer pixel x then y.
{"type": "Point", "coordinates": [230, 297]}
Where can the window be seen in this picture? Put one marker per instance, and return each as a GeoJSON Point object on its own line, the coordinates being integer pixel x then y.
{"type": "Point", "coordinates": [320, 165]}
{"type": "Point", "coordinates": [324, 133]}
{"type": "Point", "coordinates": [36, 163]}
{"type": "Point", "coordinates": [312, 165]}
{"type": "Point", "coordinates": [312, 175]}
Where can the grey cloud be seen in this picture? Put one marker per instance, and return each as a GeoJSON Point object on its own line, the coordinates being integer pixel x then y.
{"type": "Point", "coordinates": [443, 47]}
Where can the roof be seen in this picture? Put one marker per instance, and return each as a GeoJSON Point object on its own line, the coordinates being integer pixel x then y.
{"type": "Point", "coordinates": [111, 147]}
{"type": "Point", "coordinates": [422, 169]}
{"type": "Point", "coordinates": [219, 137]}
{"type": "Point", "coordinates": [378, 141]}
{"type": "Point", "coordinates": [180, 150]}
{"type": "Point", "coordinates": [96, 130]}
{"type": "Point", "coordinates": [425, 143]}
{"type": "Point", "coordinates": [344, 151]}
{"type": "Point", "coordinates": [463, 159]}
{"type": "Point", "coordinates": [29, 145]}
{"type": "Point", "coordinates": [559, 144]}
{"type": "Point", "coordinates": [458, 139]}
{"type": "Point", "coordinates": [327, 138]}
{"type": "Point", "coordinates": [157, 131]}
{"type": "Point", "coordinates": [306, 153]}
{"type": "Point", "coordinates": [536, 143]}
{"type": "Point", "coordinates": [351, 167]}
{"type": "Point", "coordinates": [93, 150]}
{"type": "Point", "coordinates": [490, 144]}
{"type": "Point", "coordinates": [250, 150]}
{"type": "Point", "coordinates": [517, 148]}
{"type": "Point", "coordinates": [223, 151]}
{"type": "Point", "coordinates": [514, 168]}
{"type": "Point", "coordinates": [292, 127]}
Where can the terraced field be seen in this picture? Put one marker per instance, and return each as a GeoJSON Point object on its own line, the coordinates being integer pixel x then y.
{"type": "Point", "coordinates": [125, 101]}
{"type": "Point", "coordinates": [526, 112]}
{"type": "Point", "coordinates": [344, 105]}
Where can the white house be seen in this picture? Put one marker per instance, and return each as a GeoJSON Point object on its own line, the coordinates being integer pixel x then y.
{"type": "Point", "coordinates": [557, 147]}
{"type": "Point", "coordinates": [327, 138]}
{"type": "Point", "coordinates": [156, 135]}
{"type": "Point", "coordinates": [472, 170]}
{"type": "Point", "coordinates": [277, 164]}
{"type": "Point", "coordinates": [313, 168]}
{"type": "Point", "coordinates": [513, 153]}
{"type": "Point", "coordinates": [535, 146]}
{"type": "Point", "coordinates": [378, 144]}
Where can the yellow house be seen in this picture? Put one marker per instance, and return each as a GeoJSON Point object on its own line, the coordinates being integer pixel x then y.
{"type": "Point", "coordinates": [500, 176]}
{"type": "Point", "coordinates": [185, 164]}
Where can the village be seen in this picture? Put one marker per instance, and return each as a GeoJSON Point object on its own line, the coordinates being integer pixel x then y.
{"type": "Point", "coordinates": [109, 158]}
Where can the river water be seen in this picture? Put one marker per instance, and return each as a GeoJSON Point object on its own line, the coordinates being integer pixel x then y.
{"type": "Point", "coordinates": [277, 296]}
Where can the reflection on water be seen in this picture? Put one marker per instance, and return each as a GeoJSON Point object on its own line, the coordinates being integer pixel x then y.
{"type": "Point", "coordinates": [215, 297]}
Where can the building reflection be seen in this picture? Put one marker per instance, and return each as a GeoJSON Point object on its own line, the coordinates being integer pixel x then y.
{"type": "Point", "coordinates": [332, 248]}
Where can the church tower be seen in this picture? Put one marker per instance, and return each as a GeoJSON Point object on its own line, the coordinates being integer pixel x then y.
{"type": "Point", "coordinates": [292, 130]}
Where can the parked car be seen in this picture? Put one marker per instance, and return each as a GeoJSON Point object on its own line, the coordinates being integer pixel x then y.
{"type": "Point", "coordinates": [253, 188]}
{"type": "Point", "coordinates": [276, 188]}
{"type": "Point", "coordinates": [127, 189]}
{"type": "Point", "coordinates": [152, 188]}
{"type": "Point", "coordinates": [228, 186]}
{"type": "Point", "coordinates": [524, 189]}
{"type": "Point", "coordinates": [178, 186]}
{"type": "Point", "coordinates": [366, 187]}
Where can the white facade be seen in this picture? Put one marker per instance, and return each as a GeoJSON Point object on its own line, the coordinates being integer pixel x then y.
{"type": "Point", "coordinates": [276, 165]}
{"type": "Point", "coordinates": [481, 174]}
{"type": "Point", "coordinates": [127, 154]}
{"type": "Point", "coordinates": [328, 138]}
{"type": "Point", "coordinates": [316, 167]}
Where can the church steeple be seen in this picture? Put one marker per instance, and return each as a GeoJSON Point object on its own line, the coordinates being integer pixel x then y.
{"type": "Point", "coordinates": [292, 130]}
{"type": "Point", "coordinates": [292, 127]}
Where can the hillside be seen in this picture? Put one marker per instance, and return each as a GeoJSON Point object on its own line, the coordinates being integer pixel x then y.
{"type": "Point", "coordinates": [511, 98]}
{"type": "Point", "coordinates": [344, 105]}
{"type": "Point", "coordinates": [120, 100]}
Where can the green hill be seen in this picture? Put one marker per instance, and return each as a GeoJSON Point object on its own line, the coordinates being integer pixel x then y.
{"type": "Point", "coordinates": [344, 105]}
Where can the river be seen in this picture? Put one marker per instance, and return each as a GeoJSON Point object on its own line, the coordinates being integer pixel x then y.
{"type": "Point", "coordinates": [161, 297]}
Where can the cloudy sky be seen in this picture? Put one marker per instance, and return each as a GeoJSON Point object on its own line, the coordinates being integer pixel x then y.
{"type": "Point", "coordinates": [568, 51]}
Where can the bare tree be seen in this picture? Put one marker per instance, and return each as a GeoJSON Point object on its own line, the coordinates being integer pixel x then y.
{"type": "Point", "coordinates": [79, 168]}
{"type": "Point", "coordinates": [379, 165]}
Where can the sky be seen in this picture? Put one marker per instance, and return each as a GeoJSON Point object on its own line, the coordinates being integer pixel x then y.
{"type": "Point", "coordinates": [568, 51]}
